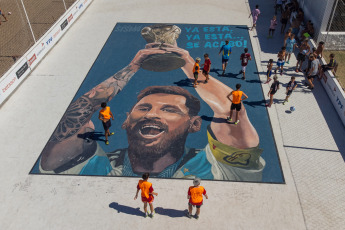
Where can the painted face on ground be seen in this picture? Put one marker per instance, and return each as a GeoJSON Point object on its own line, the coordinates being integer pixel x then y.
{"type": "Point", "coordinates": [157, 123]}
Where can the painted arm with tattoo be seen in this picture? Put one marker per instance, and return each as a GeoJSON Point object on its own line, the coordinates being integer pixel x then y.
{"type": "Point", "coordinates": [70, 139]}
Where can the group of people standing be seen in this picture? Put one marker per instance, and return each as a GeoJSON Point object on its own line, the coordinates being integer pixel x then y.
{"type": "Point", "coordinates": [292, 36]}
{"type": "Point", "coordinates": [235, 96]}
{"type": "Point", "coordinates": [194, 195]}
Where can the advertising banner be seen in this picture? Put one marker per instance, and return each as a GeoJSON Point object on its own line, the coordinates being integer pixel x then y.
{"type": "Point", "coordinates": [23, 67]}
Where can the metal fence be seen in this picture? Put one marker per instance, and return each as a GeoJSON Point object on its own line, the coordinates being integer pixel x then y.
{"type": "Point", "coordinates": [328, 17]}
{"type": "Point", "coordinates": [337, 20]}
{"type": "Point", "coordinates": [27, 21]}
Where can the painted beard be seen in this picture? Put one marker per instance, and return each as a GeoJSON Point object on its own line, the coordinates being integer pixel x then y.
{"type": "Point", "coordinates": [150, 140]}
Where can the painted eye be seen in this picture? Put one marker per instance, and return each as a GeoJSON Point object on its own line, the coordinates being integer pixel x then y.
{"type": "Point", "coordinates": [143, 109]}
{"type": "Point", "coordinates": [169, 110]}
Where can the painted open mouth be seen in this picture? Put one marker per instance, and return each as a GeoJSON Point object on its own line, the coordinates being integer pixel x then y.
{"type": "Point", "coordinates": [151, 131]}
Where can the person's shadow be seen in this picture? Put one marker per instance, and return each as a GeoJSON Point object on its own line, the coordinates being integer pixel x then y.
{"type": "Point", "coordinates": [96, 136]}
{"type": "Point", "coordinates": [184, 83]}
{"type": "Point", "coordinates": [213, 119]}
{"type": "Point", "coordinates": [255, 103]}
{"type": "Point", "coordinates": [126, 209]}
{"type": "Point", "coordinates": [170, 212]}
{"type": "Point", "coordinates": [136, 211]}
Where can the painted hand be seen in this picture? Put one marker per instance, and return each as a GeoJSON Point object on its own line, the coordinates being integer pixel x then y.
{"type": "Point", "coordinates": [142, 55]}
{"type": "Point", "coordinates": [174, 49]}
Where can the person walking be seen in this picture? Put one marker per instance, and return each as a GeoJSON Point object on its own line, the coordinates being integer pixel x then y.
{"type": "Point", "coordinates": [196, 70]}
{"type": "Point", "coordinates": [279, 5]}
{"type": "Point", "coordinates": [269, 70]}
{"type": "Point", "coordinates": [281, 60]}
{"type": "Point", "coordinates": [104, 115]}
{"type": "Point", "coordinates": [255, 14]}
{"type": "Point", "coordinates": [291, 44]}
{"type": "Point", "coordinates": [289, 88]}
{"type": "Point", "coordinates": [147, 193]}
{"type": "Point", "coordinates": [273, 27]}
{"type": "Point", "coordinates": [195, 196]}
{"type": "Point", "coordinates": [206, 67]}
{"type": "Point", "coordinates": [245, 57]}
{"type": "Point", "coordinates": [274, 88]}
{"type": "Point", "coordinates": [226, 51]}
{"type": "Point", "coordinates": [285, 16]}
{"type": "Point", "coordinates": [236, 102]}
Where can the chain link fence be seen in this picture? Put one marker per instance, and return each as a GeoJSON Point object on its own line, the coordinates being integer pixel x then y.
{"type": "Point", "coordinates": [27, 21]}
{"type": "Point", "coordinates": [328, 18]}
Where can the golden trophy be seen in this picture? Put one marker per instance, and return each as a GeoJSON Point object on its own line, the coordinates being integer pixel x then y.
{"type": "Point", "coordinates": [162, 33]}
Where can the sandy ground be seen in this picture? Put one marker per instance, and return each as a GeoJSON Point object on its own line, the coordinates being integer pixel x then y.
{"type": "Point", "coordinates": [16, 37]}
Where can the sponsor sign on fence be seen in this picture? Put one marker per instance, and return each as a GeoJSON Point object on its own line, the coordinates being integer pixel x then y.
{"type": "Point", "coordinates": [334, 90]}
{"type": "Point", "coordinates": [18, 72]}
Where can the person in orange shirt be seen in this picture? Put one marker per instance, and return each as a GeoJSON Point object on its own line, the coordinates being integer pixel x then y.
{"type": "Point", "coordinates": [236, 102]}
{"type": "Point", "coordinates": [196, 70]}
{"type": "Point", "coordinates": [195, 198]}
{"type": "Point", "coordinates": [146, 193]}
{"type": "Point", "coordinates": [104, 115]}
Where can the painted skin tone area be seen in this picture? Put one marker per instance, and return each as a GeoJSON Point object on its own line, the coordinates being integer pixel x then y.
{"type": "Point", "coordinates": [166, 115]}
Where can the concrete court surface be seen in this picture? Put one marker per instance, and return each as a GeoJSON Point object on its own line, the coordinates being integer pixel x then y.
{"type": "Point", "coordinates": [29, 117]}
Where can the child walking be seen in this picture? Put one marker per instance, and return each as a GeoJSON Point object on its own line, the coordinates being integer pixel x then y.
{"type": "Point", "coordinates": [146, 194]}
{"type": "Point", "coordinates": [196, 70]}
{"type": "Point", "coordinates": [269, 70]}
{"type": "Point", "coordinates": [274, 88]}
{"type": "Point", "coordinates": [281, 60]}
{"type": "Point", "coordinates": [289, 88]}
{"type": "Point", "coordinates": [255, 13]}
{"type": "Point", "coordinates": [273, 26]}
{"type": "Point", "coordinates": [195, 196]}
{"type": "Point", "coordinates": [206, 67]}
{"type": "Point", "coordinates": [287, 35]}
{"type": "Point", "coordinates": [245, 57]}
{"type": "Point", "coordinates": [104, 115]}
{"type": "Point", "coordinates": [291, 44]}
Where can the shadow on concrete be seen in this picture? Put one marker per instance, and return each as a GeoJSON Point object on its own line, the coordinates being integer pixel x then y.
{"type": "Point", "coordinates": [262, 26]}
{"type": "Point", "coordinates": [278, 101]}
{"type": "Point", "coordinates": [255, 103]}
{"type": "Point", "coordinates": [253, 81]}
{"type": "Point", "coordinates": [126, 209]}
{"type": "Point", "coordinates": [334, 123]}
{"type": "Point", "coordinates": [170, 212]}
{"type": "Point", "coordinates": [242, 27]}
{"type": "Point", "coordinates": [331, 116]}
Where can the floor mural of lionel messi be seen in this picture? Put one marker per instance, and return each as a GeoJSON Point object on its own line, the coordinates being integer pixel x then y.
{"type": "Point", "coordinates": [163, 125]}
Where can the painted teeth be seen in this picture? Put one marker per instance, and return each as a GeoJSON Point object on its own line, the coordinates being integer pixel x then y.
{"type": "Point", "coordinates": [150, 126]}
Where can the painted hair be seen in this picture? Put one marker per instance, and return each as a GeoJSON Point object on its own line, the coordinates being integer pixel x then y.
{"type": "Point", "coordinates": [192, 103]}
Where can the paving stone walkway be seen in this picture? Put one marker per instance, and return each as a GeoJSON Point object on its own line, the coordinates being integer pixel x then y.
{"type": "Point", "coordinates": [313, 135]}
